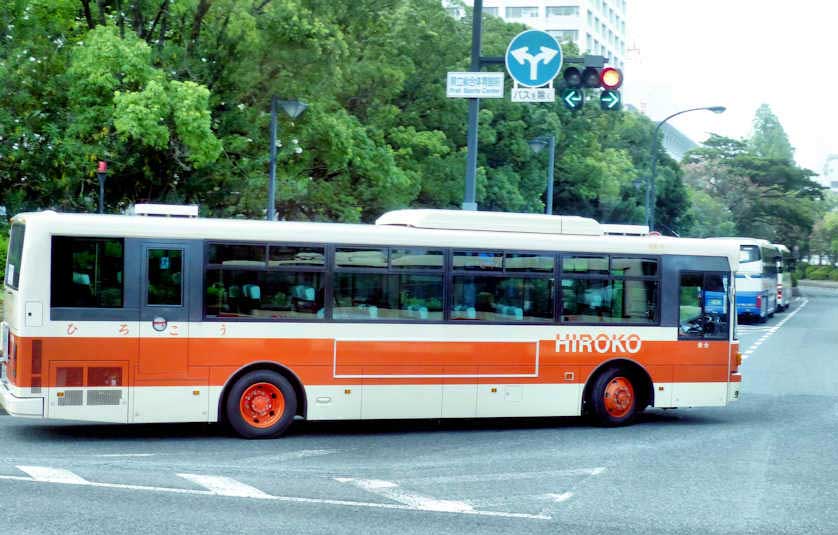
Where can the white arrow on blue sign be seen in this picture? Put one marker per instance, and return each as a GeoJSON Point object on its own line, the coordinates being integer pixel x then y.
{"type": "Point", "coordinates": [533, 58]}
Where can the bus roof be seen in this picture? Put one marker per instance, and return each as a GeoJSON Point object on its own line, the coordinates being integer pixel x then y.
{"type": "Point", "coordinates": [743, 240]}
{"type": "Point", "coordinates": [96, 225]}
{"type": "Point", "coordinates": [492, 221]}
{"type": "Point", "coordinates": [612, 229]}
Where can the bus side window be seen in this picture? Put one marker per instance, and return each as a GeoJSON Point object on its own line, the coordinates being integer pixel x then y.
{"type": "Point", "coordinates": [703, 305]}
{"type": "Point", "coordinates": [87, 272]}
{"type": "Point", "coordinates": [690, 313]}
{"type": "Point", "coordinates": [165, 277]}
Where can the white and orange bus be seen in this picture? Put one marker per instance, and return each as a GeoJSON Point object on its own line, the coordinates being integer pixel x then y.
{"type": "Point", "coordinates": [426, 314]}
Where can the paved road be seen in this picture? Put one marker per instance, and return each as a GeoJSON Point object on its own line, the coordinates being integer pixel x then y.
{"type": "Point", "coordinates": [767, 464]}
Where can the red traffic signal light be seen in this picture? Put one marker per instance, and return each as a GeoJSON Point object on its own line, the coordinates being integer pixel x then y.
{"type": "Point", "coordinates": [611, 78]}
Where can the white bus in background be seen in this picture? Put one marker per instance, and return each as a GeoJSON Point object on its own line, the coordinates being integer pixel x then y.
{"type": "Point", "coordinates": [756, 278]}
{"type": "Point", "coordinates": [785, 265]}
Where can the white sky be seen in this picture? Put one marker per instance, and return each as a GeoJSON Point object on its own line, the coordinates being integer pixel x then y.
{"type": "Point", "coordinates": [738, 54]}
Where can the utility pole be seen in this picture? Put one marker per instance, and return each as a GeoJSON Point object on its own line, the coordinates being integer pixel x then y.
{"type": "Point", "coordinates": [470, 198]}
{"type": "Point", "coordinates": [477, 63]}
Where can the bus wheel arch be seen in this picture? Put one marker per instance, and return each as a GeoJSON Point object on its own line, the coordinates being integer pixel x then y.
{"type": "Point", "coordinates": [290, 376]}
{"type": "Point", "coordinates": [641, 384]}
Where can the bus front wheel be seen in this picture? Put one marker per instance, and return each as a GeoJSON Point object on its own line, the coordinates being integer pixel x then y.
{"type": "Point", "coordinates": [261, 404]}
{"type": "Point", "coordinates": [614, 397]}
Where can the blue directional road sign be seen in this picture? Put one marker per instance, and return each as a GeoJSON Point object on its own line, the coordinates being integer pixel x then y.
{"type": "Point", "coordinates": [610, 100]}
{"type": "Point", "coordinates": [533, 58]}
{"type": "Point", "coordinates": [573, 98]}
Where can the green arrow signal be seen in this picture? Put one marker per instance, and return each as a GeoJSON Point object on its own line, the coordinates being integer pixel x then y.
{"type": "Point", "coordinates": [610, 100]}
{"type": "Point", "coordinates": [573, 98]}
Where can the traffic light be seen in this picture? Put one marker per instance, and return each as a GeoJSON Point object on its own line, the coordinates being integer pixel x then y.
{"type": "Point", "coordinates": [611, 78]}
{"type": "Point", "coordinates": [590, 77]}
{"type": "Point", "coordinates": [572, 77]}
{"type": "Point", "coordinates": [593, 75]}
{"type": "Point", "coordinates": [573, 98]}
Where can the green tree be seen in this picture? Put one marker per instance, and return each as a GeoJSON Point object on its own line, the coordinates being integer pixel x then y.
{"type": "Point", "coordinates": [824, 239]}
{"type": "Point", "coordinates": [766, 197]}
{"type": "Point", "coordinates": [175, 95]}
{"type": "Point", "coordinates": [769, 139]}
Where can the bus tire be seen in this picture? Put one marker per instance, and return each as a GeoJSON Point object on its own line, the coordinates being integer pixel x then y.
{"type": "Point", "coordinates": [615, 397]}
{"type": "Point", "coordinates": [261, 404]}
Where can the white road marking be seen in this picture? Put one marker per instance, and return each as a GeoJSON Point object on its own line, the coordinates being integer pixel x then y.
{"type": "Point", "coordinates": [505, 476]}
{"type": "Point", "coordinates": [306, 453]}
{"type": "Point", "coordinates": [53, 475]}
{"type": "Point", "coordinates": [124, 455]}
{"type": "Point", "coordinates": [391, 490]}
{"type": "Point", "coordinates": [290, 456]}
{"type": "Point", "coordinates": [772, 330]}
{"type": "Point", "coordinates": [42, 472]}
{"type": "Point", "coordinates": [559, 498]}
{"type": "Point", "coordinates": [225, 486]}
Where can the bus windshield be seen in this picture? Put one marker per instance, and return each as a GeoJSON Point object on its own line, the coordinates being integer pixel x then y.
{"type": "Point", "coordinates": [748, 253]}
{"type": "Point", "coordinates": [14, 257]}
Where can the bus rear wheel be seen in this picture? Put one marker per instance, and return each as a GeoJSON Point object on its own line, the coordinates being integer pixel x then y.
{"type": "Point", "coordinates": [261, 404]}
{"type": "Point", "coordinates": [614, 397]}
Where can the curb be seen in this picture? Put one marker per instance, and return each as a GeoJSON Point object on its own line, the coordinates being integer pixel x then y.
{"type": "Point", "coordinates": [818, 284]}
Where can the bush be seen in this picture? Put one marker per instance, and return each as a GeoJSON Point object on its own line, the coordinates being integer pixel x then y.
{"type": "Point", "coordinates": [818, 273]}
{"type": "Point", "coordinates": [834, 275]}
{"type": "Point", "coordinates": [802, 269]}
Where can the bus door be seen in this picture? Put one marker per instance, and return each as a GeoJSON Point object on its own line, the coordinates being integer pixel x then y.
{"type": "Point", "coordinates": [170, 285]}
{"type": "Point", "coordinates": [705, 303]}
{"type": "Point", "coordinates": [164, 311]}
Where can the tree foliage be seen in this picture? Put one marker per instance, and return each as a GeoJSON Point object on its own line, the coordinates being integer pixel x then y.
{"type": "Point", "coordinates": [175, 96]}
{"type": "Point", "coordinates": [769, 139]}
{"type": "Point", "coordinates": [745, 193]}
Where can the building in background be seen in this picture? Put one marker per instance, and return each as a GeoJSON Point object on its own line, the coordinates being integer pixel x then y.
{"type": "Point", "coordinates": [675, 142]}
{"type": "Point", "coordinates": [829, 178]}
{"type": "Point", "coordinates": [595, 26]}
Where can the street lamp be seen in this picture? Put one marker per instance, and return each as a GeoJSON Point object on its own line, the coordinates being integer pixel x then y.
{"type": "Point", "coordinates": [293, 108]}
{"type": "Point", "coordinates": [537, 145]}
{"type": "Point", "coordinates": [650, 189]}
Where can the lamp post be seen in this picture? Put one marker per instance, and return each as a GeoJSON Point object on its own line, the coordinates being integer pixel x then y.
{"type": "Point", "coordinates": [537, 145]}
{"type": "Point", "coordinates": [650, 189]}
{"type": "Point", "coordinates": [293, 108]}
{"type": "Point", "coordinates": [102, 174]}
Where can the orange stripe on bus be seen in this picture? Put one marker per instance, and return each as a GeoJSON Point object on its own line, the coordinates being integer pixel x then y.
{"type": "Point", "coordinates": [182, 362]}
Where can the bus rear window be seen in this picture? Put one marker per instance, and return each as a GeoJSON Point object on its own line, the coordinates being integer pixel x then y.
{"type": "Point", "coordinates": [15, 255]}
{"type": "Point", "coordinates": [748, 253]}
{"type": "Point", "coordinates": [87, 272]}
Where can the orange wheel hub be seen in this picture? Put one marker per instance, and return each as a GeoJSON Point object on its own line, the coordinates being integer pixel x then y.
{"type": "Point", "coordinates": [262, 405]}
{"type": "Point", "coordinates": [619, 397]}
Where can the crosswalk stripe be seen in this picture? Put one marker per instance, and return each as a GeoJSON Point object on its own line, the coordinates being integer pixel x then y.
{"type": "Point", "coordinates": [504, 476]}
{"type": "Point", "coordinates": [391, 490]}
{"type": "Point", "coordinates": [53, 475]}
{"type": "Point", "coordinates": [41, 474]}
{"type": "Point", "coordinates": [225, 486]}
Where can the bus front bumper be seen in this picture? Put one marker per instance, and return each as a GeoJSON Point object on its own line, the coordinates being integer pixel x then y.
{"type": "Point", "coordinates": [734, 387]}
{"type": "Point", "coordinates": [20, 406]}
